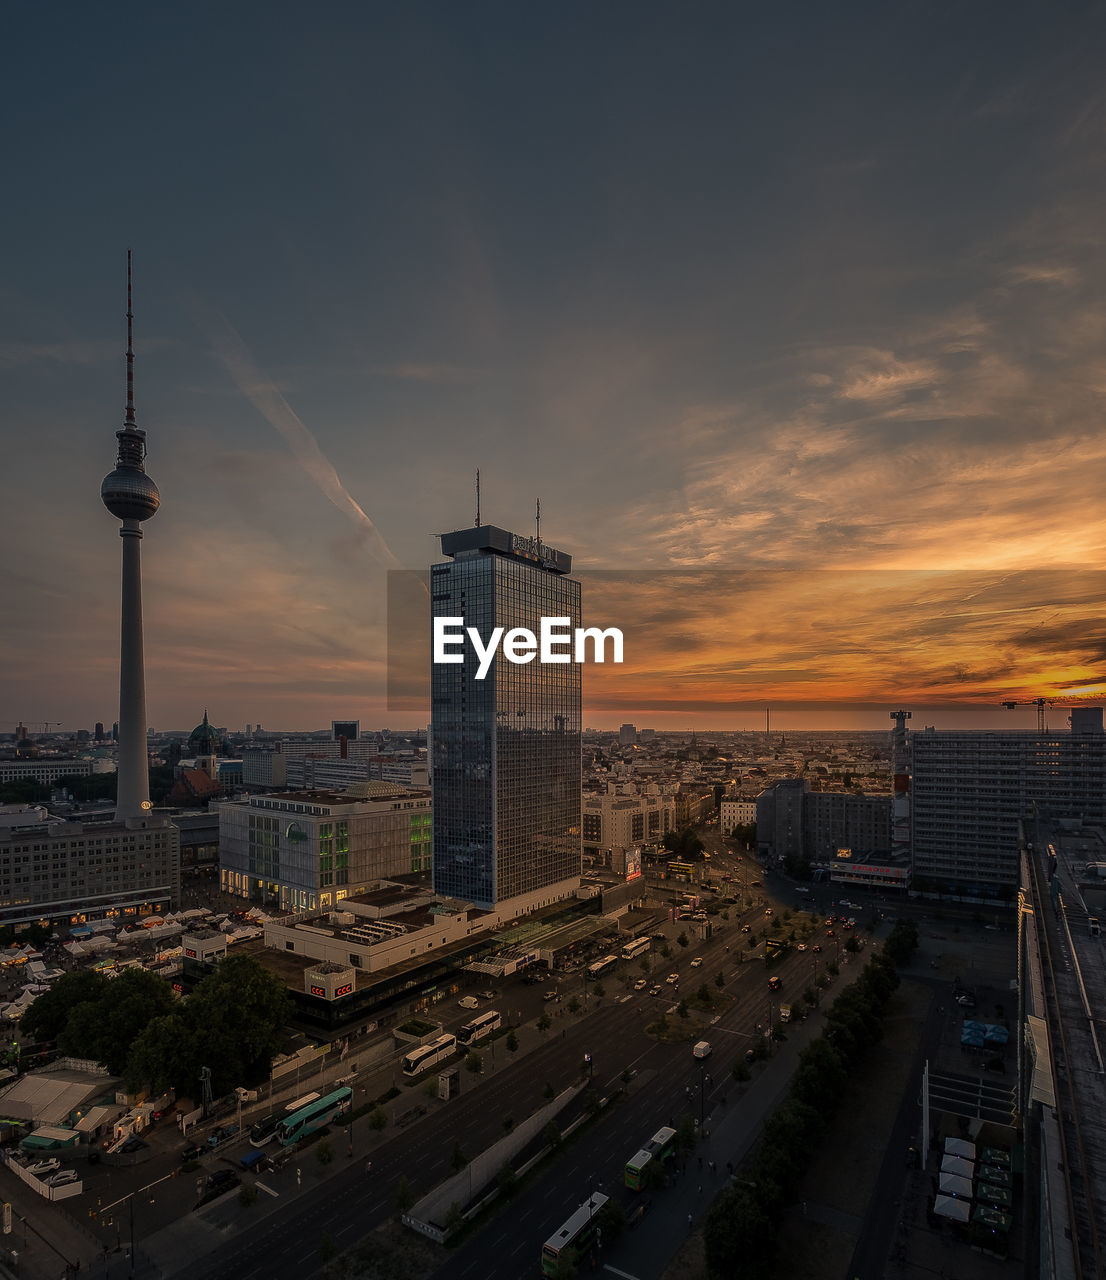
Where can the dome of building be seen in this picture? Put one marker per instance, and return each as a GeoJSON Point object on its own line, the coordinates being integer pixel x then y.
{"type": "Point", "coordinates": [203, 740]}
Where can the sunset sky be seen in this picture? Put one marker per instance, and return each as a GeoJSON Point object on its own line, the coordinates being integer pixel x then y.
{"type": "Point", "coordinates": [797, 311]}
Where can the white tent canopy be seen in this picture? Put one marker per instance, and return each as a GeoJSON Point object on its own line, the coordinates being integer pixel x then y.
{"type": "Point", "coordinates": [960, 1147]}
{"type": "Point", "coordinates": [962, 1168]}
{"type": "Point", "coordinates": [952, 1185]}
{"type": "Point", "coordinates": [957, 1210]}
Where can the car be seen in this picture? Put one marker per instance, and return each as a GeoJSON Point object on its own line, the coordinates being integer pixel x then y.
{"type": "Point", "coordinates": [816, 947]}
{"type": "Point", "coordinates": [132, 1144]}
{"type": "Point", "coordinates": [638, 1212]}
{"type": "Point", "coordinates": [767, 911]}
{"type": "Point", "coordinates": [62, 1179]}
{"type": "Point", "coordinates": [41, 1167]}
{"type": "Point", "coordinates": [640, 985]}
{"type": "Point", "coordinates": [745, 928]}
{"type": "Point", "coordinates": [774, 983]}
{"type": "Point", "coordinates": [750, 1055]}
{"type": "Point", "coordinates": [697, 962]}
{"type": "Point", "coordinates": [966, 1002]}
{"type": "Point", "coordinates": [801, 946]}
{"type": "Point", "coordinates": [486, 995]}
{"type": "Point", "coordinates": [829, 933]}
{"type": "Point", "coordinates": [654, 991]}
{"type": "Point", "coordinates": [550, 995]}
{"type": "Point", "coordinates": [672, 977]}
{"type": "Point", "coordinates": [192, 1152]}
{"type": "Point", "coordinates": [221, 1178]}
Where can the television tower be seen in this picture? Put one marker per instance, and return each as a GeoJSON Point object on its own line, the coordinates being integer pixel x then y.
{"type": "Point", "coordinates": [131, 496]}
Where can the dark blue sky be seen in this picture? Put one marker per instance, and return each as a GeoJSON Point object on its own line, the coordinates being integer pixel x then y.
{"type": "Point", "coordinates": [769, 285]}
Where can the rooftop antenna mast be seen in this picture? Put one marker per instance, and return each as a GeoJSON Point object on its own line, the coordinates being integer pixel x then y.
{"type": "Point", "coordinates": [130, 422]}
{"type": "Point", "coordinates": [537, 523]}
{"type": "Point", "coordinates": [478, 497]}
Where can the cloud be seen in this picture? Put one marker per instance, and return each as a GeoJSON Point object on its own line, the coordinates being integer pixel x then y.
{"type": "Point", "coordinates": [427, 372]}
{"type": "Point", "coordinates": [268, 400]}
{"type": "Point", "coordinates": [13, 354]}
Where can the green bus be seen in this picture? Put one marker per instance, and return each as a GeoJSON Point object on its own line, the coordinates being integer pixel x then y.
{"type": "Point", "coordinates": [661, 1146]}
{"type": "Point", "coordinates": [575, 1238]}
{"type": "Point", "coordinates": [302, 1123]}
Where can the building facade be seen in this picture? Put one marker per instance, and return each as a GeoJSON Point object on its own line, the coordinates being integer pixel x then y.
{"type": "Point", "coordinates": [617, 822]}
{"type": "Point", "coordinates": [506, 749]}
{"type": "Point", "coordinates": [305, 850]}
{"type": "Point", "coordinates": [62, 872]}
{"type": "Point", "coordinates": [821, 826]}
{"type": "Point", "coordinates": [45, 771]}
{"type": "Point", "coordinates": [970, 789]}
{"type": "Point", "coordinates": [737, 813]}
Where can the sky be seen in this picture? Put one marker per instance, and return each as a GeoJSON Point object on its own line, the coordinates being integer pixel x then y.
{"type": "Point", "coordinates": [792, 316]}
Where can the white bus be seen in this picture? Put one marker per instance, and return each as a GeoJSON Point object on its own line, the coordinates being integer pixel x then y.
{"type": "Point", "coordinates": [426, 1055]}
{"type": "Point", "coordinates": [601, 966]}
{"type": "Point", "coordinates": [479, 1027]}
{"type": "Point", "coordinates": [302, 1102]}
{"type": "Point", "coordinates": [638, 947]}
{"type": "Point", "coordinates": [575, 1238]}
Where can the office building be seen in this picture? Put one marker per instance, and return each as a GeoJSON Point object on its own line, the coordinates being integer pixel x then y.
{"type": "Point", "coordinates": [60, 873]}
{"type": "Point", "coordinates": [970, 789]}
{"type": "Point", "coordinates": [627, 735]}
{"type": "Point", "coordinates": [304, 850]}
{"type": "Point", "coordinates": [506, 749]}
{"type": "Point", "coordinates": [737, 813]}
{"type": "Point", "coordinates": [46, 771]}
{"type": "Point", "coordinates": [613, 821]}
{"type": "Point", "coordinates": [822, 826]}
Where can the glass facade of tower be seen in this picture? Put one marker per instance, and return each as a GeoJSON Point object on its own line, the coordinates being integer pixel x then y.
{"type": "Point", "coordinates": [506, 749]}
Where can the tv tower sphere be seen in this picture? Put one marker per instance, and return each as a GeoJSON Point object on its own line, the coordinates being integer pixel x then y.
{"type": "Point", "coordinates": [128, 493]}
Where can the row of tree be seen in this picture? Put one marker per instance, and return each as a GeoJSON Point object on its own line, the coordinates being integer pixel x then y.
{"type": "Point", "coordinates": [743, 1227]}
{"type": "Point", "coordinates": [233, 1023]}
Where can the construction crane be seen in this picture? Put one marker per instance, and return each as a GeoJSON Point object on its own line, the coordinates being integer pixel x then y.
{"type": "Point", "coordinates": [1041, 703]}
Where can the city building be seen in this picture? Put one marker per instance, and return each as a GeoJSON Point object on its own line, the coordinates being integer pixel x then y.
{"type": "Point", "coordinates": [737, 813]}
{"type": "Point", "coordinates": [613, 821]}
{"type": "Point", "coordinates": [694, 804]}
{"type": "Point", "coordinates": [506, 749]}
{"type": "Point", "coordinates": [627, 735]}
{"type": "Point", "coordinates": [820, 826]}
{"type": "Point", "coordinates": [46, 771]}
{"type": "Point", "coordinates": [970, 789]}
{"type": "Point", "coordinates": [306, 850]}
{"type": "Point", "coordinates": [59, 872]}
{"type": "Point", "coordinates": [263, 767]}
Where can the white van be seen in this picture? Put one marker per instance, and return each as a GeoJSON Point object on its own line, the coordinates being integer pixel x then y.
{"type": "Point", "coordinates": [702, 1049]}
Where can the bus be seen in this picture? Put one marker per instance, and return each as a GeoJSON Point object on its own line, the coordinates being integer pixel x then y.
{"type": "Point", "coordinates": [307, 1119]}
{"type": "Point", "coordinates": [575, 1238]}
{"type": "Point", "coordinates": [638, 947]}
{"type": "Point", "coordinates": [601, 966]}
{"type": "Point", "coordinates": [265, 1131]}
{"type": "Point", "coordinates": [426, 1055]}
{"type": "Point", "coordinates": [482, 1025]}
{"type": "Point", "coordinates": [661, 1146]}
{"type": "Point", "coordinates": [300, 1103]}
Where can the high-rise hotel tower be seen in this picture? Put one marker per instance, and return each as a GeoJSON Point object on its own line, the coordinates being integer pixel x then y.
{"type": "Point", "coordinates": [505, 749]}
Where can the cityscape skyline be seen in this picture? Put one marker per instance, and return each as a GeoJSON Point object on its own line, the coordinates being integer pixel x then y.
{"type": "Point", "coordinates": [736, 305]}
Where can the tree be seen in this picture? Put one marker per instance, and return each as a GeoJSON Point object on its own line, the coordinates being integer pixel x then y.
{"type": "Point", "coordinates": [430, 1089]}
{"type": "Point", "coordinates": [544, 1022]}
{"type": "Point", "coordinates": [247, 1194]}
{"type": "Point", "coordinates": [612, 1219]}
{"type": "Point", "coordinates": [324, 1152]}
{"type": "Point", "coordinates": [506, 1180]}
{"type": "Point", "coordinates": [328, 1248]}
{"type": "Point", "coordinates": [739, 1237]}
{"type": "Point", "coordinates": [549, 1092]}
{"type": "Point", "coordinates": [741, 1072]}
{"type": "Point", "coordinates": [644, 964]}
{"type": "Point", "coordinates": [681, 1009]}
{"type": "Point", "coordinates": [378, 1119]}
{"type": "Point", "coordinates": [405, 1196]}
{"type": "Point", "coordinates": [46, 1018]}
{"type": "Point", "coordinates": [703, 995]}
{"type": "Point", "coordinates": [719, 979]}
{"type": "Point", "coordinates": [666, 952]}
{"type": "Point", "coordinates": [104, 1026]}
{"type": "Point", "coordinates": [552, 1135]}
{"type": "Point", "coordinates": [573, 1005]}
{"type": "Point", "coordinates": [599, 991]}
{"type": "Point", "coordinates": [457, 1159]}
{"type": "Point", "coordinates": [474, 1062]}
{"type": "Point", "coordinates": [682, 941]}
{"type": "Point", "coordinates": [511, 1042]}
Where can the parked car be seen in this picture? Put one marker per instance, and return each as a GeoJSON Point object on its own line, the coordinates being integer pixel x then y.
{"type": "Point", "coordinates": [41, 1167]}
{"type": "Point", "coordinates": [767, 911]}
{"type": "Point", "coordinates": [697, 962]}
{"type": "Point", "coordinates": [62, 1179]}
{"type": "Point", "coordinates": [672, 977]}
{"type": "Point", "coordinates": [132, 1144]}
{"type": "Point", "coordinates": [221, 1178]}
{"type": "Point", "coordinates": [192, 1152]}
{"type": "Point", "coordinates": [551, 995]}
{"type": "Point", "coordinates": [641, 984]}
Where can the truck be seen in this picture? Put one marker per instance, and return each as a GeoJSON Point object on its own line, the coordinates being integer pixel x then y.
{"type": "Point", "coordinates": [785, 1013]}
{"type": "Point", "coordinates": [702, 1049]}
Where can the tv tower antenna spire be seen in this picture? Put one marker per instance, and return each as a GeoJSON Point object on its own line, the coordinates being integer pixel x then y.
{"type": "Point", "coordinates": [537, 523]}
{"type": "Point", "coordinates": [478, 497]}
